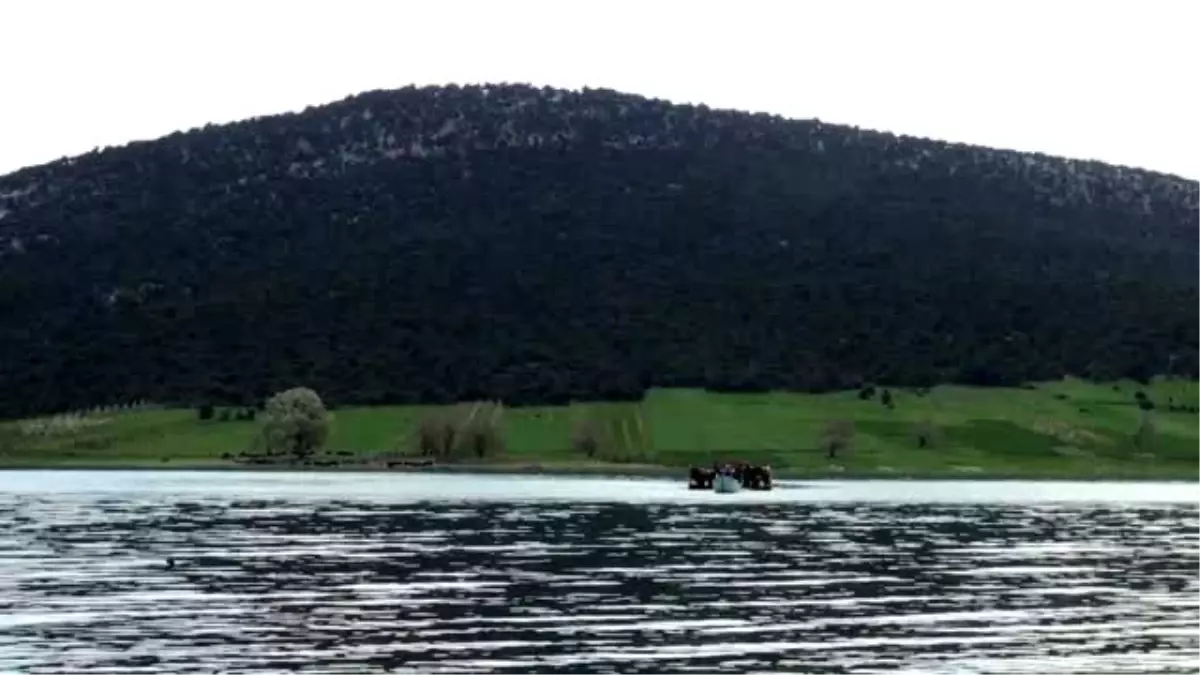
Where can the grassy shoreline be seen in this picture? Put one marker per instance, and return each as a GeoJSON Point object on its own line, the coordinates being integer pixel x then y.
{"type": "Point", "coordinates": [1063, 430]}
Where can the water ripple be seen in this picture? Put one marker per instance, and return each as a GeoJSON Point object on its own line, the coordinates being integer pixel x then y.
{"type": "Point", "coordinates": [339, 585]}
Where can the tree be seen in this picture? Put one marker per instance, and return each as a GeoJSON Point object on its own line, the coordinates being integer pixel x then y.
{"type": "Point", "coordinates": [837, 437]}
{"type": "Point", "coordinates": [205, 412]}
{"type": "Point", "coordinates": [585, 437]}
{"type": "Point", "coordinates": [296, 423]}
{"type": "Point", "coordinates": [483, 429]}
{"type": "Point", "coordinates": [431, 435]}
{"type": "Point", "coordinates": [476, 428]}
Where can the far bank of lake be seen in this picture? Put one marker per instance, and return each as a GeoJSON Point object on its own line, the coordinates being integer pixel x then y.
{"type": "Point", "coordinates": [1067, 429]}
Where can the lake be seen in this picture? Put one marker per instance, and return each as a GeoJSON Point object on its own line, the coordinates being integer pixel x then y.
{"type": "Point", "coordinates": [373, 572]}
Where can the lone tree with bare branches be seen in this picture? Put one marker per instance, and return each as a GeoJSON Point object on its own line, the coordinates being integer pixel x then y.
{"type": "Point", "coordinates": [436, 435]}
{"type": "Point", "coordinates": [469, 428]}
{"type": "Point", "coordinates": [483, 429]}
{"type": "Point", "coordinates": [837, 438]}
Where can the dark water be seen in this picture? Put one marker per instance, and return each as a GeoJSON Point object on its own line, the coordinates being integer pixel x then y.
{"type": "Point", "coordinates": [594, 576]}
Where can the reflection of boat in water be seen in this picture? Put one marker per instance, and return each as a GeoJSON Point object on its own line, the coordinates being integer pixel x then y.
{"type": "Point", "coordinates": [726, 483]}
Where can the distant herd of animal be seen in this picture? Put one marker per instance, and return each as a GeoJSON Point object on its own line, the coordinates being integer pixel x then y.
{"type": "Point", "coordinates": [749, 476]}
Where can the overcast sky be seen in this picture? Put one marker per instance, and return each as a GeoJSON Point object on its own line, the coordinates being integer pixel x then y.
{"type": "Point", "coordinates": [1096, 80]}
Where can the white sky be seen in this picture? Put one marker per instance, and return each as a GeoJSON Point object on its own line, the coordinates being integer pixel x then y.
{"type": "Point", "coordinates": [1086, 79]}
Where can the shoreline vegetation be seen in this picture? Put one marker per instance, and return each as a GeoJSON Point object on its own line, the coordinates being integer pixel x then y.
{"type": "Point", "coordinates": [1061, 430]}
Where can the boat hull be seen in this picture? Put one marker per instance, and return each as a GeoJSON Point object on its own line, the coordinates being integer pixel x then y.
{"type": "Point", "coordinates": [725, 484]}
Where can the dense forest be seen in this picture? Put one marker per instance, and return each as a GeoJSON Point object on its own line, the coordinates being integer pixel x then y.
{"type": "Point", "coordinates": [540, 245]}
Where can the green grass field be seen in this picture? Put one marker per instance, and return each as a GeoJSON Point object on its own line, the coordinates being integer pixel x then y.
{"type": "Point", "coordinates": [1065, 429]}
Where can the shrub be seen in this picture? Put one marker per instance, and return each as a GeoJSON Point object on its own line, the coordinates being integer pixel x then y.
{"type": "Point", "coordinates": [1144, 402]}
{"type": "Point", "coordinates": [9, 439]}
{"type": "Point", "coordinates": [926, 434]}
{"type": "Point", "coordinates": [886, 398]}
{"type": "Point", "coordinates": [205, 412]}
{"type": "Point", "coordinates": [616, 432]}
{"type": "Point", "coordinates": [1146, 436]}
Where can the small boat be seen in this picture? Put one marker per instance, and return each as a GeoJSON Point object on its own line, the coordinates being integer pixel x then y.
{"type": "Point", "coordinates": [726, 483]}
{"type": "Point", "coordinates": [730, 478]}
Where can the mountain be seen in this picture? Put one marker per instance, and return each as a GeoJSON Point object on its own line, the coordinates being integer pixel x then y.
{"type": "Point", "coordinates": [537, 245]}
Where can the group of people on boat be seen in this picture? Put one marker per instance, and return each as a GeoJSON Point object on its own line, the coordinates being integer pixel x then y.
{"type": "Point", "coordinates": [749, 476]}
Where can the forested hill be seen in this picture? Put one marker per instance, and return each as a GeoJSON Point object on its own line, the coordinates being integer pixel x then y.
{"type": "Point", "coordinates": [537, 245]}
